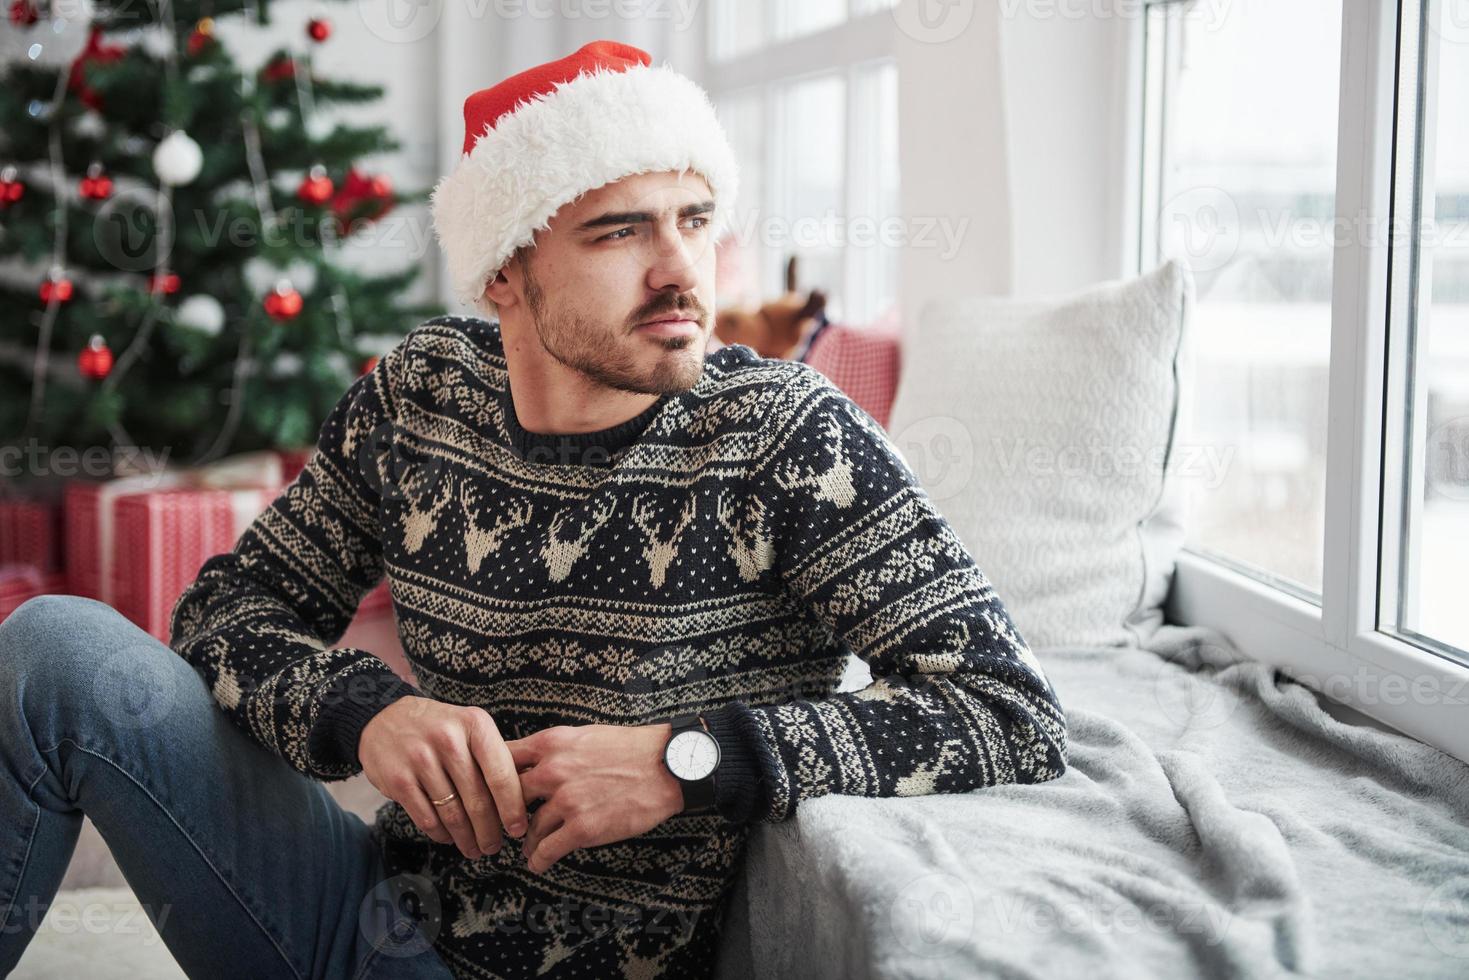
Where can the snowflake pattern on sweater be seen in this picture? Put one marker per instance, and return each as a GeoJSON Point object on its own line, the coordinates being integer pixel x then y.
{"type": "Point", "coordinates": [734, 546]}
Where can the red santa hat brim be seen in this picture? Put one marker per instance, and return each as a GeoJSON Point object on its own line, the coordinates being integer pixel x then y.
{"type": "Point", "coordinates": [597, 128]}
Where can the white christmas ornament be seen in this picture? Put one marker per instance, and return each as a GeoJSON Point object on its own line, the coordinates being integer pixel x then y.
{"type": "Point", "coordinates": [201, 312]}
{"type": "Point", "coordinates": [287, 364]}
{"type": "Point", "coordinates": [178, 159]}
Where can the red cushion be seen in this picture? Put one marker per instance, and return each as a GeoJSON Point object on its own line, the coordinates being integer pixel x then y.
{"type": "Point", "coordinates": [863, 362]}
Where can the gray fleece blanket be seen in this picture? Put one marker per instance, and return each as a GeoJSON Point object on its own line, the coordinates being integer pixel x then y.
{"type": "Point", "coordinates": [1214, 821]}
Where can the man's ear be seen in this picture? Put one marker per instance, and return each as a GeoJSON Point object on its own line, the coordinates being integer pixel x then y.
{"type": "Point", "coordinates": [497, 289]}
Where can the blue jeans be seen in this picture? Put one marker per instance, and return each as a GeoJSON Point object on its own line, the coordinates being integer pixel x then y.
{"type": "Point", "coordinates": [246, 867]}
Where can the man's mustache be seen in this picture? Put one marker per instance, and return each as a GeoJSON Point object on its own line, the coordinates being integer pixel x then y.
{"type": "Point", "coordinates": [694, 309]}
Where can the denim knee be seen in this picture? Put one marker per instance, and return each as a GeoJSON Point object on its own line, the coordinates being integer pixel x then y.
{"type": "Point", "coordinates": [80, 653]}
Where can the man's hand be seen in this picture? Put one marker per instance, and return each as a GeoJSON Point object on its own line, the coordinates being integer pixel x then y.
{"type": "Point", "coordinates": [417, 749]}
{"type": "Point", "coordinates": [600, 784]}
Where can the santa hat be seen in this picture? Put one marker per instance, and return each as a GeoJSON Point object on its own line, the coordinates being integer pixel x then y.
{"type": "Point", "coordinates": [543, 138]}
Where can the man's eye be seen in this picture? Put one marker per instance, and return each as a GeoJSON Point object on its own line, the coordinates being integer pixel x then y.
{"type": "Point", "coordinates": [613, 237]}
{"type": "Point", "coordinates": [701, 220]}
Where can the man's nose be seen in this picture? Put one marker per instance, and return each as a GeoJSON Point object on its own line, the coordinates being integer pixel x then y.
{"type": "Point", "coordinates": [674, 261]}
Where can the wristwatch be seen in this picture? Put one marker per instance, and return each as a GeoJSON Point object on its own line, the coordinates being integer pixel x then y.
{"type": "Point", "coordinates": [692, 755]}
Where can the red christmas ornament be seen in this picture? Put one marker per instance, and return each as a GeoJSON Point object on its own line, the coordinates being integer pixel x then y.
{"type": "Point", "coordinates": [279, 69]}
{"type": "Point", "coordinates": [317, 187]}
{"type": "Point", "coordinates": [168, 283]}
{"type": "Point", "coordinates": [95, 360]}
{"type": "Point", "coordinates": [23, 13]}
{"type": "Point", "coordinates": [319, 29]}
{"type": "Point", "coordinates": [57, 288]}
{"type": "Point", "coordinates": [201, 37]}
{"type": "Point", "coordinates": [12, 188]}
{"type": "Point", "coordinates": [94, 53]}
{"type": "Point", "coordinates": [362, 199]}
{"type": "Point", "coordinates": [284, 303]}
{"type": "Point", "coordinates": [369, 364]}
{"type": "Point", "coordinates": [96, 186]}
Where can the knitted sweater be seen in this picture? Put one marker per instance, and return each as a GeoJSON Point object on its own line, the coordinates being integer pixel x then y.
{"type": "Point", "coordinates": [722, 553]}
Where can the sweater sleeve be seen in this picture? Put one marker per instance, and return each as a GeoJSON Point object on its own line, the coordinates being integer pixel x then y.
{"type": "Point", "coordinates": [957, 702]}
{"type": "Point", "coordinates": [257, 620]}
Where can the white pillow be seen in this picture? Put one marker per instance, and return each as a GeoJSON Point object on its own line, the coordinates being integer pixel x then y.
{"type": "Point", "coordinates": [1048, 433]}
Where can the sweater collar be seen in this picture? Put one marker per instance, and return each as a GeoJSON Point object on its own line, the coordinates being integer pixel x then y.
{"type": "Point", "coordinates": [578, 448]}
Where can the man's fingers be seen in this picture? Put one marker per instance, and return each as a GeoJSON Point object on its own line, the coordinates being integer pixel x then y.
{"type": "Point", "coordinates": [474, 796]}
{"type": "Point", "coordinates": [424, 813]}
{"type": "Point", "coordinates": [560, 843]}
{"type": "Point", "coordinates": [545, 822]}
{"type": "Point", "coordinates": [452, 814]}
{"type": "Point", "coordinates": [497, 763]}
{"type": "Point", "coordinates": [524, 751]}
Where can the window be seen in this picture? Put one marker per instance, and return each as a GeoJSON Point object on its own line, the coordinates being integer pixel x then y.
{"type": "Point", "coordinates": [1308, 158]}
{"type": "Point", "coordinates": [808, 95]}
{"type": "Point", "coordinates": [1426, 532]}
{"type": "Point", "coordinates": [1243, 109]}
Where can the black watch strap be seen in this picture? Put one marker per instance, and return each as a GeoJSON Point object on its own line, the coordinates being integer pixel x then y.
{"type": "Point", "coordinates": [697, 793]}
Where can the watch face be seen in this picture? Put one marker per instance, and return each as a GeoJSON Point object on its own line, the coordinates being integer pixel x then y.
{"type": "Point", "coordinates": [692, 755]}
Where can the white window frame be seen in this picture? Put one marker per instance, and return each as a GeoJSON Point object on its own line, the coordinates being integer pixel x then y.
{"type": "Point", "coordinates": [850, 48]}
{"type": "Point", "coordinates": [1336, 647]}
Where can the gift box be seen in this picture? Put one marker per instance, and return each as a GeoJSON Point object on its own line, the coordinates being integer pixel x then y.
{"type": "Point", "coordinates": [137, 542]}
{"type": "Point", "coordinates": [30, 534]}
{"type": "Point", "coordinates": [161, 538]}
{"type": "Point", "coordinates": [90, 511]}
{"type": "Point", "coordinates": [21, 582]}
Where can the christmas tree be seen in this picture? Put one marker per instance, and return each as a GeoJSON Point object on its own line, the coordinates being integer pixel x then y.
{"type": "Point", "coordinates": [170, 232]}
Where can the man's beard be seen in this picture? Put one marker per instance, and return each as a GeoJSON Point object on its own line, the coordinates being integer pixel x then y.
{"type": "Point", "coordinates": [583, 346]}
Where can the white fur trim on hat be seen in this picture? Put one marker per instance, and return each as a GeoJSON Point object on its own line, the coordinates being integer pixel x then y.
{"type": "Point", "coordinates": [595, 129]}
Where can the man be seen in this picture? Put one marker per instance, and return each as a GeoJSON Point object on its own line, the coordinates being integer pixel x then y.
{"type": "Point", "coordinates": [628, 578]}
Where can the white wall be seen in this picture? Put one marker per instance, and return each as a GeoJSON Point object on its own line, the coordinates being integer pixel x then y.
{"type": "Point", "coordinates": [1068, 98]}
{"type": "Point", "coordinates": [952, 161]}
